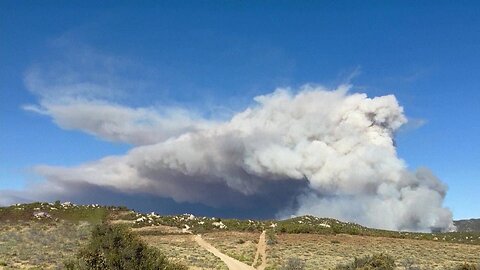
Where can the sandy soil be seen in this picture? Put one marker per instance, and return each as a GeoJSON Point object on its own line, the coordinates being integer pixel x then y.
{"type": "Point", "coordinates": [261, 251]}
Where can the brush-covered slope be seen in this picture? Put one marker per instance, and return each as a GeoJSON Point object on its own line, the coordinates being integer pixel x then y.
{"type": "Point", "coordinates": [468, 225]}
{"type": "Point", "coordinates": [57, 212]}
{"type": "Point", "coordinates": [188, 223]}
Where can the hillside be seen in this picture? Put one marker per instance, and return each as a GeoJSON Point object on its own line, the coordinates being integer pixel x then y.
{"type": "Point", "coordinates": [187, 223]}
{"type": "Point", "coordinates": [468, 225]}
{"type": "Point", "coordinates": [46, 234]}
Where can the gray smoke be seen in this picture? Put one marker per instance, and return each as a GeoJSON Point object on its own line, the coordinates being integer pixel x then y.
{"type": "Point", "coordinates": [312, 151]}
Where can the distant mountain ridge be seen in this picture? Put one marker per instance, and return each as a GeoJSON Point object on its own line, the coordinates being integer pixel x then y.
{"type": "Point", "coordinates": [467, 225]}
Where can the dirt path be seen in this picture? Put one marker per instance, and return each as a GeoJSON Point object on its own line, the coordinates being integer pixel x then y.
{"type": "Point", "coordinates": [261, 251]}
{"type": "Point", "coordinates": [231, 263]}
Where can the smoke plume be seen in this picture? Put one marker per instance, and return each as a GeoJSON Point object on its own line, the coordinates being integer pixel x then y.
{"type": "Point", "coordinates": [309, 151]}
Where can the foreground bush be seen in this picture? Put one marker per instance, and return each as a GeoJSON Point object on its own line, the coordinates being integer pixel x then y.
{"type": "Point", "coordinates": [115, 247]}
{"type": "Point", "coordinates": [377, 262]}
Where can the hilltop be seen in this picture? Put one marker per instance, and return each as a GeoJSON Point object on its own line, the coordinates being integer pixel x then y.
{"type": "Point", "coordinates": [56, 212]}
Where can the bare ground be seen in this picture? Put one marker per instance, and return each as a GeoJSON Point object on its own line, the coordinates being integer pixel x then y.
{"type": "Point", "coordinates": [261, 253]}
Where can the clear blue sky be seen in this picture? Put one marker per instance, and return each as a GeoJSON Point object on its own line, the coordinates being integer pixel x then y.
{"type": "Point", "coordinates": [219, 54]}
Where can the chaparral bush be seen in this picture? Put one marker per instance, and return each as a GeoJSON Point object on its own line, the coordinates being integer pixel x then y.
{"type": "Point", "coordinates": [116, 248]}
{"type": "Point", "coordinates": [375, 262]}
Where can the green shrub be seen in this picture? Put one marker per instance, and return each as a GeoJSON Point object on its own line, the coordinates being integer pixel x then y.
{"type": "Point", "coordinates": [293, 264]}
{"type": "Point", "coordinates": [116, 248]}
{"type": "Point", "coordinates": [374, 262]}
{"type": "Point", "coordinates": [271, 237]}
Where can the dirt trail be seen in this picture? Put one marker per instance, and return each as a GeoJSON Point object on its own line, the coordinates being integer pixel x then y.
{"type": "Point", "coordinates": [261, 251]}
{"type": "Point", "coordinates": [231, 263]}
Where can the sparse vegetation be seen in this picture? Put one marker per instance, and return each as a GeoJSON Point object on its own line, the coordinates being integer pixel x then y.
{"type": "Point", "coordinates": [183, 249]}
{"type": "Point", "coordinates": [468, 266]}
{"type": "Point", "coordinates": [95, 214]}
{"type": "Point", "coordinates": [318, 252]}
{"type": "Point", "coordinates": [227, 242]}
{"type": "Point", "coordinates": [40, 244]}
{"type": "Point", "coordinates": [271, 237]}
{"type": "Point", "coordinates": [409, 264]}
{"type": "Point", "coordinates": [374, 262]}
{"type": "Point", "coordinates": [326, 226]}
{"type": "Point", "coordinates": [43, 235]}
{"type": "Point", "coordinates": [115, 247]}
{"type": "Point", "coordinates": [54, 212]}
{"type": "Point", "coordinates": [293, 264]}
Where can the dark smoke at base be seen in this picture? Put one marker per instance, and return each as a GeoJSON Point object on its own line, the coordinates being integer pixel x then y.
{"type": "Point", "coordinates": [315, 151]}
{"type": "Point", "coordinates": [253, 207]}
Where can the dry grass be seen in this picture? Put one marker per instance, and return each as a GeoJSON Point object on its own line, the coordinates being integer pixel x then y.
{"type": "Point", "coordinates": [239, 245]}
{"type": "Point", "coordinates": [317, 251]}
{"type": "Point", "coordinates": [42, 245]}
{"type": "Point", "coordinates": [182, 248]}
{"type": "Point", "coordinates": [326, 251]}
{"type": "Point", "coordinates": [157, 230]}
{"type": "Point", "coordinates": [47, 245]}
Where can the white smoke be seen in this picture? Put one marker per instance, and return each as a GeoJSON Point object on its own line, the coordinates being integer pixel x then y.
{"type": "Point", "coordinates": [76, 95]}
{"type": "Point", "coordinates": [337, 147]}
{"type": "Point", "coordinates": [114, 122]}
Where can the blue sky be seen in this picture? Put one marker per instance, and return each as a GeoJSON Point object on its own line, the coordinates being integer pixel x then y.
{"type": "Point", "coordinates": [214, 57]}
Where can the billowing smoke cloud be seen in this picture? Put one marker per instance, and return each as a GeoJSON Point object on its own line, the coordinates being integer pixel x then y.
{"type": "Point", "coordinates": [308, 151]}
